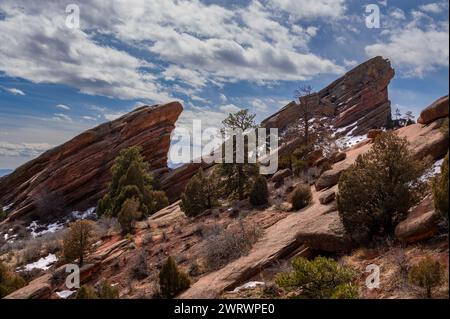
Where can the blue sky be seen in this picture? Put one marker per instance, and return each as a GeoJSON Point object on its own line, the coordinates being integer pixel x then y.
{"type": "Point", "coordinates": [214, 56]}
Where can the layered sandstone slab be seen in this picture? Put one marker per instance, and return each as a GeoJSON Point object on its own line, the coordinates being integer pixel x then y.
{"type": "Point", "coordinates": [360, 97]}
{"type": "Point", "coordinates": [75, 174]}
{"type": "Point", "coordinates": [438, 109]}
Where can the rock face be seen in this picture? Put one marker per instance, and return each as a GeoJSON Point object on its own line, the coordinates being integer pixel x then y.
{"type": "Point", "coordinates": [360, 97]}
{"type": "Point", "coordinates": [420, 224]}
{"type": "Point", "coordinates": [438, 109]}
{"type": "Point", "coordinates": [77, 172]}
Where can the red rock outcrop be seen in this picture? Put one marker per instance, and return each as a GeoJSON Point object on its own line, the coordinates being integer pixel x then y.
{"type": "Point", "coordinates": [360, 96]}
{"type": "Point", "coordinates": [76, 173]}
{"type": "Point", "coordinates": [438, 109]}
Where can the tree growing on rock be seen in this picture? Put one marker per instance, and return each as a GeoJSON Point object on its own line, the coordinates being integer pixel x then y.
{"type": "Point", "coordinates": [259, 193]}
{"type": "Point", "coordinates": [427, 274]}
{"type": "Point", "coordinates": [171, 280]}
{"type": "Point", "coordinates": [238, 175]}
{"type": "Point", "coordinates": [306, 111]}
{"type": "Point", "coordinates": [321, 278]}
{"type": "Point", "coordinates": [131, 179]}
{"type": "Point", "coordinates": [440, 189]}
{"type": "Point", "coordinates": [376, 192]}
{"type": "Point", "coordinates": [77, 241]}
{"type": "Point", "coordinates": [200, 194]}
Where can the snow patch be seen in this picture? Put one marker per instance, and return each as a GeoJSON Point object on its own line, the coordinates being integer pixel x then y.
{"type": "Point", "coordinates": [39, 230]}
{"type": "Point", "coordinates": [7, 207]}
{"type": "Point", "coordinates": [65, 293]}
{"type": "Point", "coordinates": [434, 170]}
{"type": "Point", "coordinates": [249, 285]}
{"type": "Point", "coordinates": [44, 263]}
{"type": "Point", "coordinates": [89, 213]}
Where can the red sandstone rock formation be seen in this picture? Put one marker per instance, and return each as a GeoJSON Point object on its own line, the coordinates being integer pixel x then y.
{"type": "Point", "coordinates": [76, 173]}
{"type": "Point", "coordinates": [360, 96]}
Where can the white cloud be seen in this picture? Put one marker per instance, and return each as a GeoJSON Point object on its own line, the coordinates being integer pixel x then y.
{"type": "Point", "coordinates": [229, 108]}
{"type": "Point", "coordinates": [310, 9]}
{"type": "Point", "coordinates": [13, 91]}
{"type": "Point", "coordinates": [435, 8]}
{"type": "Point", "coordinates": [23, 149]}
{"type": "Point", "coordinates": [223, 98]}
{"type": "Point", "coordinates": [62, 117]}
{"type": "Point", "coordinates": [413, 50]}
{"type": "Point", "coordinates": [43, 50]}
{"type": "Point", "coordinates": [397, 13]}
{"type": "Point", "coordinates": [350, 63]}
{"type": "Point", "coordinates": [113, 116]}
{"type": "Point", "coordinates": [63, 107]}
{"type": "Point", "coordinates": [89, 118]}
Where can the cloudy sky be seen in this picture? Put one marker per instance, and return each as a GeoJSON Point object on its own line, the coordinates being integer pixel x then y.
{"type": "Point", "coordinates": [214, 56]}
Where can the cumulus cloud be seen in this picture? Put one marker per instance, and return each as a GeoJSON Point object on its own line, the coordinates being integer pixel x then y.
{"type": "Point", "coordinates": [23, 149]}
{"type": "Point", "coordinates": [309, 9]}
{"type": "Point", "coordinates": [436, 7]}
{"type": "Point", "coordinates": [415, 51]}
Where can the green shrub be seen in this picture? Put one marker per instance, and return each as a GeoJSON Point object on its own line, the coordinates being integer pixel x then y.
{"type": "Point", "coordinates": [440, 189]}
{"type": "Point", "coordinates": [301, 197]}
{"type": "Point", "coordinates": [199, 194]}
{"type": "Point", "coordinates": [107, 291]}
{"type": "Point", "coordinates": [130, 178]}
{"type": "Point", "coordinates": [321, 278]}
{"type": "Point", "coordinates": [299, 166]}
{"type": "Point", "coordinates": [171, 280]}
{"type": "Point", "coordinates": [77, 241]}
{"type": "Point", "coordinates": [259, 193]}
{"type": "Point", "coordinates": [9, 281]}
{"type": "Point", "coordinates": [128, 214]}
{"type": "Point", "coordinates": [86, 292]}
{"type": "Point", "coordinates": [427, 274]}
{"type": "Point", "coordinates": [376, 192]}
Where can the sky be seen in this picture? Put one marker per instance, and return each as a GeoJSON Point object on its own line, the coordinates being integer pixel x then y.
{"type": "Point", "coordinates": [214, 56]}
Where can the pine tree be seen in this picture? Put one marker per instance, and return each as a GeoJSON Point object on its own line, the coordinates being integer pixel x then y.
{"type": "Point", "coordinates": [128, 214]}
{"type": "Point", "coordinates": [376, 192]}
{"type": "Point", "coordinates": [238, 175]}
{"type": "Point", "coordinates": [306, 111]}
{"type": "Point", "coordinates": [77, 241]}
{"type": "Point", "coordinates": [171, 280]}
{"type": "Point", "coordinates": [259, 193]}
{"type": "Point", "coordinates": [130, 179]}
{"type": "Point", "coordinates": [199, 194]}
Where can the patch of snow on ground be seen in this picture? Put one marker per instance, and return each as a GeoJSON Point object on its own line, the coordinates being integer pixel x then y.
{"type": "Point", "coordinates": [432, 171]}
{"type": "Point", "coordinates": [7, 207]}
{"type": "Point", "coordinates": [348, 141]}
{"type": "Point", "coordinates": [249, 285]}
{"type": "Point", "coordinates": [39, 230]}
{"type": "Point", "coordinates": [65, 293]}
{"type": "Point", "coordinates": [43, 263]}
{"type": "Point", "coordinates": [89, 213]}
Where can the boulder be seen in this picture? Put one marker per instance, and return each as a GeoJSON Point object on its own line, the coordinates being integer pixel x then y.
{"type": "Point", "coordinates": [328, 178]}
{"type": "Point", "coordinates": [420, 224]}
{"type": "Point", "coordinates": [340, 156]}
{"type": "Point", "coordinates": [313, 156]}
{"type": "Point", "coordinates": [327, 197]}
{"type": "Point", "coordinates": [281, 175]}
{"type": "Point", "coordinates": [320, 162]}
{"type": "Point", "coordinates": [39, 288]}
{"type": "Point", "coordinates": [438, 109]}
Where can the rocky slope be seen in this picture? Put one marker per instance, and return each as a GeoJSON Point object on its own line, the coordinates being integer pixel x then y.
{"type": "Point", "coordinates": [75, 174]}
{"type": "Point", "coordinates": [360, 97]}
